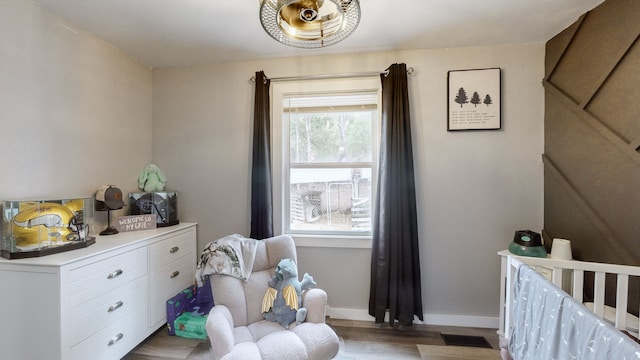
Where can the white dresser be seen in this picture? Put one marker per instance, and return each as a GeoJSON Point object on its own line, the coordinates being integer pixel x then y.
{"type": "Point", "coordinates": [94, 303]}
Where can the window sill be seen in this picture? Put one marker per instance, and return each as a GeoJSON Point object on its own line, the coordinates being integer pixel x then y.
{"type": "Point", "coordinates": [327, 241]}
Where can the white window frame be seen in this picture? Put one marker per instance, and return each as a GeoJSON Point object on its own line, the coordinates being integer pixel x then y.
{"type": "Point", "coordinates": [279, 151]}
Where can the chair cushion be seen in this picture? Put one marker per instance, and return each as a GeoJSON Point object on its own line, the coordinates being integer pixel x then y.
{"type": "Point", "coordinates": [243, 351]}
{"type": "Point", "coordinates": [320, 340]}
{"type": "Point", "coordinates": [280, 345]}
{"type": "Point", "coordinates": [263, 328]}
{"type": "Point", "coordinates": [242, 334]}
{"type": "Point", "coordinates": [254, 291]}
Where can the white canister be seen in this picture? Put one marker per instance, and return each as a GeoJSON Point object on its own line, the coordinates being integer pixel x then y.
{"type": "Point", "coordinates": [561, 249]}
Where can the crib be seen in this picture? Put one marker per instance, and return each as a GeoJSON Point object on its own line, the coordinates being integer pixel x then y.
{"type": "Point", "coordinates": [569, 276]}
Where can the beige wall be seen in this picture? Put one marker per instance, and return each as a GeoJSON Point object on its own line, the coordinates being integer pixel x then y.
{"type": "Point", "coordinates": [474, 188]}
{"type": "Point", "coordinates": [75, 111]}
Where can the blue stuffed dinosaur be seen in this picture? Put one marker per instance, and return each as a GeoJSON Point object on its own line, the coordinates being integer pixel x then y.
{"type": "Point", "coordinates": [282, 303]}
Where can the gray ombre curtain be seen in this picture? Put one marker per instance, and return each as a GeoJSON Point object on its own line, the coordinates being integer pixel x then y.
{"type": "Point", "coordinates": [395, 259]}
{"type": "Point", "coordinates": [261, 196]}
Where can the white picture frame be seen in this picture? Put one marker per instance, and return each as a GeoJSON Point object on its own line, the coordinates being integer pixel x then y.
{"type": "Point", "coordinates": [474, 99]}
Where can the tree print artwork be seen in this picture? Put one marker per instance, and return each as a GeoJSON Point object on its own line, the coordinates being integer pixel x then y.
{"type": "Point", "coordinates": [475, 99]}
{"type": "Point", "coordinates": [461, 98]}
{"type": "Point", "coordinates": [484, 87]}
{"type": "Point", "coordinates": [487, 100]}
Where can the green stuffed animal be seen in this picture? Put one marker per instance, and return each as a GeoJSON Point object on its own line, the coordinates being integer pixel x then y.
{"type": "Point", "coordinates": [151, 179]}
{"type": "Point", "coordinates": [282, 302]}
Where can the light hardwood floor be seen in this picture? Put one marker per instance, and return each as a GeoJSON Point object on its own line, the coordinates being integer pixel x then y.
{"type": "Point", "coordinates": [359, 340]}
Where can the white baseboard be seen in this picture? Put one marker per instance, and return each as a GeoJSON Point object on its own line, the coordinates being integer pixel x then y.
{"type": "Point", "coordinates": [349, 314]}
{"type": "Point", "coordinates": [487, 322]}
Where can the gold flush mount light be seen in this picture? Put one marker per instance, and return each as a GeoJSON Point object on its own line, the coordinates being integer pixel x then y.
{"type": "Point", "coordinates": [309, 23]}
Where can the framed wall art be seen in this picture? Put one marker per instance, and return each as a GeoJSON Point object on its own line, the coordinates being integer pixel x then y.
{"type": "Point", "coordinates": [473, 99]}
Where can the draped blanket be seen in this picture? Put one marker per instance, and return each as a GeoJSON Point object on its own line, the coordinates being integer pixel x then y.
{"type": "Point", "coordinates": [231, 255]}
{"type": "Point", "coordinates": [549, 324]}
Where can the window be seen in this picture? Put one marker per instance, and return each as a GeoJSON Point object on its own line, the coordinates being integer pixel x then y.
{"type": "Point", "coordinates": [327, 142]}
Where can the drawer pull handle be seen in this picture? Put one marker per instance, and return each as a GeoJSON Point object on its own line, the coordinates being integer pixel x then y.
{"type": "Point", "coordinates": [174, 250]}
{"type": "Point", "coordinates": [175, 274]}
{"type": "Point", "coordinates": [115, 274]}
{"type": "Point", "coordinates": [115, 306]}
{"type": "Point", "coordinates": [115, 339]}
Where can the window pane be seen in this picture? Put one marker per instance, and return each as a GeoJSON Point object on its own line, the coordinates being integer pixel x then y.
{"type": "Point", "coordinates": [330, 199]}
{"type": "Point", "coordinates": [331, 137]}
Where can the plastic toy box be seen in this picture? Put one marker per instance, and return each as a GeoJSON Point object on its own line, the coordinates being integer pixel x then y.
{"type": "Point", "coordinates": [32, 228]}
{"type": "Point", "coordinates": [163, 204]}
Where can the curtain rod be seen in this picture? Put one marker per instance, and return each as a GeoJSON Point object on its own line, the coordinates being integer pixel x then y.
{"type": "Point", "coordinates": [410, 71]}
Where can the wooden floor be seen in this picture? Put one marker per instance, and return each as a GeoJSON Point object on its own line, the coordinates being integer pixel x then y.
{"type": "Point", "coordinates": [359, 340]}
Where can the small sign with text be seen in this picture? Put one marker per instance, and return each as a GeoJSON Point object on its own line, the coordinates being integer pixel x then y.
{"type": "Point", "coordinates": [137, 222]}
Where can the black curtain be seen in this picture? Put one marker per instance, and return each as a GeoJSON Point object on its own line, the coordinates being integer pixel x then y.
{"type": "Point", "coordinates": [261, 197]}
{"type": "Point", "coordinates": [395, 259]}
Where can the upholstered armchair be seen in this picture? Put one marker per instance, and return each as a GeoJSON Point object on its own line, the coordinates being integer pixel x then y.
{"type": "Point", "coordinates": [236, 327]}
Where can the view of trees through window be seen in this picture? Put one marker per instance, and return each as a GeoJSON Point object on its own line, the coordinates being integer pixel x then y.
{"type": "Point", "coordinates": [331, 162]}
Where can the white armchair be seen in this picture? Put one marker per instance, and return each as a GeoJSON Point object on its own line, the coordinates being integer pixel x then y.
{"type": "Point", "coordinates": [236, 327]}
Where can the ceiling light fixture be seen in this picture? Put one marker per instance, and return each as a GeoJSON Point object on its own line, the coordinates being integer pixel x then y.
{"type": "Point", "coordinates": [309, 23]}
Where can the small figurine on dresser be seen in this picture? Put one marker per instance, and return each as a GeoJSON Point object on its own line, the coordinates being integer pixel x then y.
{"type": "Point", "coordinates": [151, 179]}
{"type": "Point", "coordinates": [154, 199]}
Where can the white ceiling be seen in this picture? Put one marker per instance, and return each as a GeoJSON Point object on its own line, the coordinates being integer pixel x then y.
{"type": "Point", "coordinates": [163, 33]}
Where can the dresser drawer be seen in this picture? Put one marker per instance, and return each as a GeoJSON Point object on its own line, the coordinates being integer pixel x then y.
{"type": "Point", "coordinates": [171, 248]}
{"type": "Point", "coordinates": [115, 340]}
{"type": "Point", "coordinates": [97, 313]}
{"type": "Point", "coordinates": [167, 282]}
{"type": "Point", "coordinates": [89, 281]}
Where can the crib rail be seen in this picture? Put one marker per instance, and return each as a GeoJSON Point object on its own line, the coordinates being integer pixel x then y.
{"type": "Point", "coordinates": [569, 276]}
